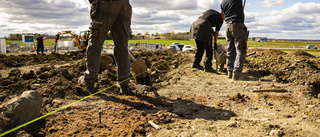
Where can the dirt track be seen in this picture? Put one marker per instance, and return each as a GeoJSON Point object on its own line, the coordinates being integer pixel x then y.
{"type": "Point", "coordinates": [183, 101]}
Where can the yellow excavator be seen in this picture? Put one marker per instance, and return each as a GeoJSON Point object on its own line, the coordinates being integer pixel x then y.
{"type": "Point", "coordinates": [81, 40]}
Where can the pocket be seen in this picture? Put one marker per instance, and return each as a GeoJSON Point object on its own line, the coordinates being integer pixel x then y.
{"type": "Point", "coordinates": [95, 28]}
{"type": "Point", "coordinates": [229, 31]}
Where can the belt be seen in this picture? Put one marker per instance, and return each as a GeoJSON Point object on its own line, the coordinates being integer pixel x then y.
{"type": "Point", "coordinates": [236, 22]}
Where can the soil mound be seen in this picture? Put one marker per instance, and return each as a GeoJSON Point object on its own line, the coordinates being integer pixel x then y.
{"type": "Point", "coordinates": [300, 53]}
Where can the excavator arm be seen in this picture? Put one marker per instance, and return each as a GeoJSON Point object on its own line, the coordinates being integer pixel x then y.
{"type": "Point", "coordinates": [76, 37]}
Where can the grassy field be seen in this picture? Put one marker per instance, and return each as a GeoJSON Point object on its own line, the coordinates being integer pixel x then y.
{"type": "Point", "coordinates": [272, 44]}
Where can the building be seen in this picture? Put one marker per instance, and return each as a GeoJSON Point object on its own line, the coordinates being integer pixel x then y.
{"type": "Point", "coordinates": [260, 39]}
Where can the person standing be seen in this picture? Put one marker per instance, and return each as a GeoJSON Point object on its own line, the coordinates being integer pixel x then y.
{"type": "Point", "coordinates": [113, 15]}
{"type": "Point", "coordinates": [236, 37]}
{"type": "Point", "coordinates": [202, 31]}
{"type": "Point", "coordinates": [40, 44]}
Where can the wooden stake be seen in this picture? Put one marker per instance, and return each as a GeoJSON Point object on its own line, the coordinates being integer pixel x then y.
{"type": "Point", "coordinates": [154, 125]}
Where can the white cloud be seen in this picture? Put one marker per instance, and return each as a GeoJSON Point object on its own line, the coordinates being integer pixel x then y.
{"type": "Point", "coordinates": [166, 16]}
{"type": "Point", "coordinates": [43, 16]}
{"type": "Point", "coordinates": [272, 3]}
{"type": "Point", "coordinates": [299, 21]}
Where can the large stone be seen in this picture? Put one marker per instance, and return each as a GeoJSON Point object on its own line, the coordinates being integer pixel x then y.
{"type": "Point", "coordinates": [24, 108]}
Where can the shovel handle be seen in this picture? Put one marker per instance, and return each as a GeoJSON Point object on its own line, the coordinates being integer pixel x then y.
{"type": "Point", "coordinates": [132, 57]}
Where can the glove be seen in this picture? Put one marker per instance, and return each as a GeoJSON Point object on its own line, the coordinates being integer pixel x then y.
{"type": "Point", "coordinates": [215, 47]}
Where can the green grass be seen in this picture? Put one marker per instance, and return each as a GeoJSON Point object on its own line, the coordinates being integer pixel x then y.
{"type": "Point", "coordinates": [46, 42]}
{"type": "Point", "coordinates": [252, 44]}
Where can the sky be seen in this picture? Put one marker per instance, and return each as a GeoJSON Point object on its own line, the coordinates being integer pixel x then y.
{"type": "Point", "coordinates": [278, 19]}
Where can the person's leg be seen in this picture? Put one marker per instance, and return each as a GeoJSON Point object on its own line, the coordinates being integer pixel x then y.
{"type": "Point", "coordinates": [209, 55]}
{"type": "Point", "coordinates": [241, 48]}
{"type": "Point", "coordinates": [99, 26]}
{"type": "Point", "coordinates": [42, 47]}
{"type": "Point", "coordinates": [199, 54]}
{"type": "Point", "coordinates": [231, 51]}
{"type": "Point", "coordinates": [120, 34]}
{"type": "Point", "coordinates": [38, 49]}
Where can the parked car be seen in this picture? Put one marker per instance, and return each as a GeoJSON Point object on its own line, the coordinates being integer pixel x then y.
{"type": "Point", "coordinates": [174, 47]}
{"type": "Point", "coordinates": [311, 47]}
{"type": "Point", "coordinates": [180, 46]}
{"type": "Point", "coordinates": [176, 43]}
{"type": "Point", "coordinates": [187, 48]}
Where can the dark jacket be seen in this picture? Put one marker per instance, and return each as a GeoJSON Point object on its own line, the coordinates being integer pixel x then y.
{"type": "Point", "coordinates": [201, 29]}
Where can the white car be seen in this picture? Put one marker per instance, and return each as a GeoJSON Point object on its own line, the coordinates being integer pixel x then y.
{"type": "Point", "coordinates": [173, 47]}
{"type": "Point", "coordinates": [311, 47]}
{"type": "Point", "coordinates": [180, 46]}
{"type": "Point", "coordinates": [187, 48]}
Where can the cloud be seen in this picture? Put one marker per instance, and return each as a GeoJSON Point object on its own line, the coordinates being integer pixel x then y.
{"type": "Point", "coordinates": [298, 21]}
{"type": "Point", "coordinates": [166, 16]}
{"type": "Point", "coordinates": [272, 3]}
{"type": "Point", "coordinates": [44, 15]}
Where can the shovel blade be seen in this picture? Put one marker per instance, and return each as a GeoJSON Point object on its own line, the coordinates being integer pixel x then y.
{"type": "Point", "coordinates": [140, 69]}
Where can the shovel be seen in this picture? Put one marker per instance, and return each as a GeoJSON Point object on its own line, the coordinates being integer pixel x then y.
{"type": "Point", "coordinates": [140, 69]}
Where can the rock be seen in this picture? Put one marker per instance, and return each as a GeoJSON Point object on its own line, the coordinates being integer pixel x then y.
{"type": "Point", "coordinates": [276, 133]}
{"type": "Point", "coordinates": [29, 75]}
{"type": "Point", "coordinates": [15, 72]}
{"type": "Point", "coordinates": [5, 123]}
{"type": "Point", "coordinates": [65, 73]}
{"type": "Point", "coordinates": [304, 117]}
{"type": "Point", "coordinates": [311, 106]}
{"type": "Point", "coordinates": [35, 86]}
{"type": "Point", "coordinates": [264, 119]}
{"type": "Point", "coordinates": [24, 108]}
{"type": "Point", "coordinates": [232, 124]}
{"type": "Point", "coordinates": [23, 133]}
{"type": "Point", "coordinates": [2, 97]}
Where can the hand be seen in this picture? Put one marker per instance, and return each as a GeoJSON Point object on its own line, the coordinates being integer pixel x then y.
{"type": "Point", "coordinates": [215, 47]}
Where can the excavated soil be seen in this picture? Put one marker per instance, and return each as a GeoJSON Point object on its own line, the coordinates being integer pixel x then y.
{"type": "Point", "coordinates": [181, 100]}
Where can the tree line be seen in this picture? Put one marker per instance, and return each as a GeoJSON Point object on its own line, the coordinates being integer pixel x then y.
{"type": "Point", "coordinates": [147, 35]}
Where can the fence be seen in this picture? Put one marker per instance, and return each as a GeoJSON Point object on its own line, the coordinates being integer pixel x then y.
{"type": "Point", "coordinates": [65, 46]}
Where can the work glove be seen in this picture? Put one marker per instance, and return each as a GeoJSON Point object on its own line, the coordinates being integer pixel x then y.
{"type": "Point", "coordinates": [215, 47]}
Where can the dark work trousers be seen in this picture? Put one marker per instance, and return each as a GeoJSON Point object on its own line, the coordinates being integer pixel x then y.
{"type": "Point", "coordinates": [236, 35]}
{"type": "Point", "coordinates": [201, 46]}
{"type": "Point", "coordinates": [40, 47]}
{"type": "Point", "coordinates": [116, 17]}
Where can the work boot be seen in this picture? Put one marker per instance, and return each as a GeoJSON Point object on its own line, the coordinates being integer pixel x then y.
{"type": "Point", "coordinates": [230, 74]}
{"type": "Point", "coordinates": [236, 76]}
{"type": "Point", "coordinates": [126, 91]}
{"type": "Point", "coordinates": [197, 66]}
{"type": "Point", "coordinates": [89, 85]}
{"type": "Point", "coordinates": [209, 69]}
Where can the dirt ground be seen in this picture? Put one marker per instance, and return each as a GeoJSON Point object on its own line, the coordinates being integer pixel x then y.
{"type": "Point", "coordinates": [183, 101]}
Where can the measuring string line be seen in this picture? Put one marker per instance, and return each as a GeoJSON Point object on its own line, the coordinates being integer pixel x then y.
{"type": "Point", "coordinates": [48, 114]}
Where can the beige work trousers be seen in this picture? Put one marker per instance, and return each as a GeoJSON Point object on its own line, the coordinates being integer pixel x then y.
{"type": "Point", "coordinates": [114, 16]}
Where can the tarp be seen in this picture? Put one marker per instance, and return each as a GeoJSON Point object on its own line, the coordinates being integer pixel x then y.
{"type": "Point", "coordinates": [66, 44]}
{"type": "Point", "coordinates": [3, 46]}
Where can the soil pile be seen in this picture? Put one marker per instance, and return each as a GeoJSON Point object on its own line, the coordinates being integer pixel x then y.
{"type": "Point", "coordinates": [182, 100]}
